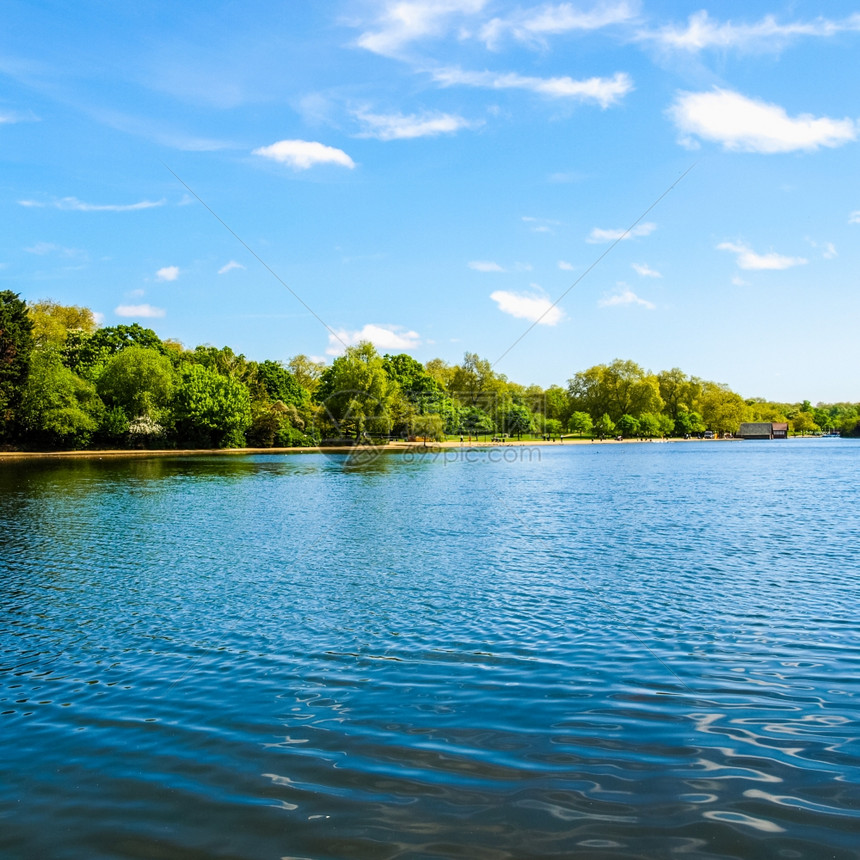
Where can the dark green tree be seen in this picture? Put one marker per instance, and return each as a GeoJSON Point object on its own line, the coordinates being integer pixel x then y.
{"type": "Point", "coordinates": [211, 410]}
{"type": "Point", "coordinates": [16, 346]}
{"type": "Point", "coordinates": [87, 353]}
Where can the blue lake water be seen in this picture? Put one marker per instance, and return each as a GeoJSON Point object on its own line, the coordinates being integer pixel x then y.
{"type": "Point", "coordinates": [597, 651]}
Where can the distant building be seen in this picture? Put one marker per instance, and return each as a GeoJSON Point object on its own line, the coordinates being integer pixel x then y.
{"type": "Point", "coordinates": [763, 430]}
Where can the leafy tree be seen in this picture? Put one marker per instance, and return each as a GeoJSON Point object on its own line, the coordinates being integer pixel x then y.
{"type": "Point", "coordinates": [619, 388]}
{"type": "Point", "coordinates": [16, 346]}
{"type": "Point", "coordinates": [722, 410]}
{"type": "Point", "coordinates": [59, 408]}
{"type": "Point", "coordinates": [357, 394]}
{"type": "Point", "coordinates": [306, 371]}
{"type": "Point", "coordinates": [53, 321]}
{"type": "Point", "coordinates": [211, 410]}
{"type": "Point", "coordinates": [804, 423]}
{"type": "Point", "coordinates": [475, 422]}
{"type": "Point", "coordinates": [138, 380]}
{"type": "Point", "coordinates": [517, 420]}
{"type": "Point", "coordinates": [429, 426]}
{"type": "Point", "coordinates": [580, 422]}
{"type": "Point", "coordinates": [553, 427]}
{"type": "Point", "coordinates": [650, 425]}
{"type": "Point", "coordinates": [604, 426]}
{"type": "Point", "coordinates": [280, 384]}
{"type": "Point", "coordinates": [627, 425]}
{"type": "Point", "coordinates": [87, 353]}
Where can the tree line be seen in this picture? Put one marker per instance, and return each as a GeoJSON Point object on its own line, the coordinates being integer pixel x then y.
{"type": "Point", "coordinates": [68, 383]}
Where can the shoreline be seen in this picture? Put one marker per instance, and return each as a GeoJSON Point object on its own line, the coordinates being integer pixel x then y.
{"type": "Point", "coordinates": [390, 447]}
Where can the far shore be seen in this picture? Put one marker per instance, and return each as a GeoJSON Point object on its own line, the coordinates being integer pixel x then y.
{"type": "Point", "coordinates": [390, 447]}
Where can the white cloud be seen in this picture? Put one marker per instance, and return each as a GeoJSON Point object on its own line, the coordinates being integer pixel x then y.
{"type": "Point", "coordinates": [603, 91]}
{"type": "Point", "coordinates": [854, 217]}
{"type": "Point", "coordinates": [12, 117]}
{"type": "Point", "coordinates": [534, 307]}
{"type": "Point", "coordinates": [701, 33]}
{"type": "Point", "coordinates": [405, 21]}
{"type": "Point", "coordinates": [747, 125]}
{"type": "Point", "coordinates": [624, 296]}
{"type": "Point", "coordinates": [738, 281]}
{"type": "Point", "coordinates": [829, 251]}
{"type": "Point", "coordinates": [407, 127]}
{"type": "Point", "coordinates": [599, 235]}
{"type": "Point", "coordinates": [645, 271]}
{"type": "Point", "coordinates": [384, 337]}
{"type": "Point", "coordinates": [304, 154]}
{"type": "Point", "coordinates": [533, 25]}
{"type": "Point", "coordinates": [147, 311]}
{"type": "Point", "coordinates": [98, 317]}
{"type": "Point", "coordinates": [228, 267]}
{"type": "Point", "coordinates": [167, 273]}
{"type": "Point", "coordinates": [72, 204]}
{"type": "Point", "coordinates": [485, 266]}
{"type": "Point", "coordinates": [565, 266]}
{"type": "Point", "coordinates": [749, 260]}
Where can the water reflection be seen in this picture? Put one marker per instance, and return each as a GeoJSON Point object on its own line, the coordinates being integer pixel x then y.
{"type": "Point", "coordinates": [274, 656]}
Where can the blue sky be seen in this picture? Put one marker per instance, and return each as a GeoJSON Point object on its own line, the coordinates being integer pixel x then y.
{"type": "Point", "coordinates": [432, 175]}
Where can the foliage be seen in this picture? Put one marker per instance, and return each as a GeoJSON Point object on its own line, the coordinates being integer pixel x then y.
{"type": "Point", "coordinates": [357, 394]}
{"type": "Point", "coordinates": [59, 408]}
{"type": "Point", "coordinates": [580, 422]}
{"type": "Point", "coordinates": [627, 425]}
{"type": "Point", "coordinates": [604, 426]}
{"type": "Point", "coordinates": [138, 380]}
{"type": "Point", "coordinates": [87, 353]}
{"type": "Point", "coordinates": [53, 321]}
{"type": "Point", "coordinates": [16, 346]}
{"type": "Point", "coordinates": [280, 384]}
{"type": "Point", "coordinates": [211, 410]}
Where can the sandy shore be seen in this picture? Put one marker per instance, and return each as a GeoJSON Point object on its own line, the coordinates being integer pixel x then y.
{"type": "Point", "coordinates": [391, 447]}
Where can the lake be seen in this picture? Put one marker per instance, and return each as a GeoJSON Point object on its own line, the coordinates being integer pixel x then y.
{"type": "Point", "coordinates": [597, 651]}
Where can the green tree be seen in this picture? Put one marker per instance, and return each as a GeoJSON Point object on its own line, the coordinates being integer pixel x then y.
{"type": "Point", "coordinates": [211, 410]}
{"type": "Point", "coordinates": [306, 371]}
{"type": "Point", "coordinates": [627, 425]}
{"type": "Point", "coordinates": [804, 423]}
{"type": "Point", "coordinates": [52, 322]}
{"type": "Point", "coordinates": [516, 420]}
{"type": "Point", "coordinates": [281, 385]}
{"type": "Point", "coordinates": [59, 409]}
{"type": "Point", "coordinates": [619, 388]}
{"type": "Point", "coordinates": [651, 425]}
{"type": "Point", "coordinates": [580, 422]}
{"type": "Point", "coordinates": [357, 394]}
{"type": "Point", "coordinates": [16, 347]}
{"type": "Point", "coordinates": [604, 426]}
{"type": "Point", "coordinates": [722, 410]}
{"type": "Point", "coordinates": [87, 353]}
{"type": "Point", "coordinates": [140, 381]}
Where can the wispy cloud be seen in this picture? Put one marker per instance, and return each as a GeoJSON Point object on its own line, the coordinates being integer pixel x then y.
{"type": "Point", "coordinates": [701, 33]}
{"type": "Point", "coordinates": [749, 260]}
{"type": "Point", "coordinates": [540, 225]}
{"type": "Point", "coordinates": [405, 21]}
{"type": "Point", "coordinates": [142, 311]}
{"type": "Point", "coordinates": [599, 235]}
{"type": "Point", "coordinates": [854, 217]}
{"type": "Point", "coordinates": [72, 204]}
{"type": "Point", "coordinates": [228, 267]}
{"type": "Point", "coordinates": [405, 127]}
{"type": "Point", "coordinates": [534, 25]}
{"type": "Point", "coordinates": [485, 266]}
{"type": "Point", "coordinates": [381, 336]}
{"type": "Point", "coordinates": [12, 117]}
{"type": "Point", "coordinates": [167, 273]}
{"type": "Point", "coordinates": [43, 249]}
{"type": "Point", "coordinates": [604, 91]}
{"type": "Point", "coordinates": [304, 154]}
{"type": "Point", "coordinates": [748, 125]}
{"type": "Point", "coordinates": [534, 307]}
{"type": "Point", "coordinates": [565, 266]}
{"type": "Point", "coordinates": [645, 271]}
{"type": "Point", "coordinates": [625, 296]}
